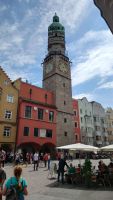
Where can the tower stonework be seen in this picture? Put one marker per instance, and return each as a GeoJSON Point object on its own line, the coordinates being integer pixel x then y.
{"type": "Point", "coordinates": [57, 78]}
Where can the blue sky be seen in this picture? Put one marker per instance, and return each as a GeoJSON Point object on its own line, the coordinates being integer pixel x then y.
{"type": "Point", "coordinates": [89, 43]}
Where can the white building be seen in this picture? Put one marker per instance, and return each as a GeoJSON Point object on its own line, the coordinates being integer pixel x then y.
{"type": "Point", "coordinates": [109, 117]}
{"type": "Point", "coordinates": [100, 125]}
{"type": "Point", "coordinates": [86, 121]}
{"type": "Point", "coordinates": [93, 123]}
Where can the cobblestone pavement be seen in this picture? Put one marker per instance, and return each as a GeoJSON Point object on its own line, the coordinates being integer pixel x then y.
{"type": "Point", "coordinates": [40, 187]}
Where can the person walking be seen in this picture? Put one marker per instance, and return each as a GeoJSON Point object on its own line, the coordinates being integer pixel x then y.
{"type": "Point", "coordinates": [2, 156]}
{"type": "Point", "coordinates": [2, 179]}
{"type": "Point", "coordinates": [18, 182]}
{"type": "Point", "coordinates": [45, 158]}
{"type": "Point", "coordinates": [36, 160]}
{"type": "Point", "coordinates": [49, 161]}
{"type": "Point", "coordinates": [62, 163]}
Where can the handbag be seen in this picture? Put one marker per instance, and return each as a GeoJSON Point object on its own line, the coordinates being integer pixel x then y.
{"type": "Point", "coordinates": [11, 193]}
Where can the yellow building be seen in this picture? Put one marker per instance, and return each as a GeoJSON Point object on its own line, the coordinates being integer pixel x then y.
{"type": "Point", "coordinates": [109, 117]}
{"type": "Point", "coordinates": [8, 112]}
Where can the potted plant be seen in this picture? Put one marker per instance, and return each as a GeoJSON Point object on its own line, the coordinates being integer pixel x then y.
{"type": "Point", "coordinates": [87, 172]}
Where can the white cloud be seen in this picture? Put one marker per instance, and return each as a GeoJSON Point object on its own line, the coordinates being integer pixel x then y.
{"type": "Point", "coordinates": [89, 96]}
{"type": "Point", "coordinates": [96, 61]}
{"type": "Point", "coordinates": [22, 41]}
{"type": "Point", "coordinates": [108, 85]}
{"type": "Point", "coordinates": [3, 8]}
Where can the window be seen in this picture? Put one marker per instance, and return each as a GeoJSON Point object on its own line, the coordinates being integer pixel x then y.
{"type": "Point", "coordinates": [64, 102]}
{"type": "Point", "coordinates": [81, 111]}
{"type": "Point", "coordinates": [94, 119]}
{"type": "Point", "coordinates": [65, 133]}
{"type": "Point", "coordinates": [6, 82]}
{"type": "Point", "coordinates": [0, 91]}
{"type": "Point", "coordinates": [43, 133]}
{"type": "Point", "coordinates": [28, 111]}
{"type": "Point", "coordinates": [36, 132]}
{"type": "Point", "coordinates": [81, 119]}
{"type": "Point", "coordinates": [49, 133]}
{"type": "Point", "coordinates": [8, 114]}
{"type": "Point", "coordinates": [75, 112]}
{"type": "Point", "coordinates": [102, 121]}
{"type": "Point", "coordinates": [63, 84]}
{"type": "Point", "coordinates": [26, 131]}
{"type": "Point", "coordinates": [45, 98]}
{"type": "Point", "coordinates": [65, 120]}
{"type": "Point", "coordinates": [10, 98]}
{"type": "Point", "coordinates": [7, 131]}
{"type": "Point", "coordinates": [40, 113]}
{"type": "Point", "coordinates": [76, 125]}
{"type": "Point", "coordinates": [51, 116]}
{"type": "Point", "coordinates": [97, 128]}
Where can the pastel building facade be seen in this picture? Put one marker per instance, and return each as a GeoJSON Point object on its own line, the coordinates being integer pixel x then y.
{"type": "Point", "coordinates": [36, 118]}
{"type": "Point", "coordinates": [109, 118]}
{"type": "Point", "coordinates": [86, 121]}
{"type": "Point", "coordinates": [77, 121]}
{"type": "Point", "coordinates": [100, 125]}
{"type": "Point", "coordinates": [8, 112]}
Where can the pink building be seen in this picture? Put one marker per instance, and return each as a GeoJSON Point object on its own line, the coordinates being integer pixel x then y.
{"type": "Point", "coordinates": [76, 120]}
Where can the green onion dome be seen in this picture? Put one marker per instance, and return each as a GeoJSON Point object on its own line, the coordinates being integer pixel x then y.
{"type": "Point", "coordinates": [56, 26]}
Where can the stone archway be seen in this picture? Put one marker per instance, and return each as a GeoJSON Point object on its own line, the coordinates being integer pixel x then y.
{"type": "Point", "coordinates": [48, 148]}
{"type": "Point", "coordinates": [29, 147]}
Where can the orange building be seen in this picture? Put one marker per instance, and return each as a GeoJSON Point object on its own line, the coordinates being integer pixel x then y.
{"type": "Point", "coordinates": [36, 118]}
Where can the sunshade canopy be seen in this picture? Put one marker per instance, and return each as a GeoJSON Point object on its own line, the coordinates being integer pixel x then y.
{"type": "Point", "coordinates": [79, 147]}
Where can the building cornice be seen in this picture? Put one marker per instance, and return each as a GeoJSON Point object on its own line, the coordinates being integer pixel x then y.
{"type": "Point", "coordinates": [8, 122]}
{"type": "Point", "coordinates": [38, 103]}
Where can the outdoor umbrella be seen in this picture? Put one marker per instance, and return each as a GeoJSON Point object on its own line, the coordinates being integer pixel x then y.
{"type": "Point", "coordinates": [107, 148]}
{"type": "Point", "coordinates": [79, 147]}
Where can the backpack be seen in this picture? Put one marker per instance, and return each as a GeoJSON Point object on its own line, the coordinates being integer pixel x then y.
{"type": "Point", "coordinates": [11, 194]}
{"type": "Point", "coordinates": [2, 175]}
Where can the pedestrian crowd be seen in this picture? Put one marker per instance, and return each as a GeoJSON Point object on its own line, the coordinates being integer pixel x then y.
{"type": "Point", "coordinates": [15, 187]}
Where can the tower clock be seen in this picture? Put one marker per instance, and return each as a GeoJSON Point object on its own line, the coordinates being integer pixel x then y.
{"type": "Point", "coordinates": [57, 78]}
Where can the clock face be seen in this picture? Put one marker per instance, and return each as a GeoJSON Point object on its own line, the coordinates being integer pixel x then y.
{"type": "Point", "coordinates": [63, 67]}
{"type": "Point", "coordinates": [49, 67]}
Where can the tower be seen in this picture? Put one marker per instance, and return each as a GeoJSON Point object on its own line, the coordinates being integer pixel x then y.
{"type": "Point", "coordinates": [57, 78]}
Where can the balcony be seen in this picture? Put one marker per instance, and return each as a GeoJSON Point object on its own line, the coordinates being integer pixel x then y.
{"type": "Point", "coordinates": [99, 142]}
{"type": "Point", "coordinates": [89, 134]}
{"type": "Point", "coordinates": [97, 123]}
{"type": "Point", "coordinates": [106, 143]}
{"type": "Point", "coordinates": [105, 134]}
{"type": "Point", "coordinates": [104, 125]}
{"type": "Point", "coordinates": [98, 133]}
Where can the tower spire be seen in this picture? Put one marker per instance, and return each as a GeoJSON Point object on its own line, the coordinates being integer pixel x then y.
{"type": "Point", "coordinates": [56, 36]}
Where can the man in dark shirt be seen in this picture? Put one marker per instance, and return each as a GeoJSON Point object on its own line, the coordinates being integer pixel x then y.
{"type": "Point", "coordinates": [62, 163]}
